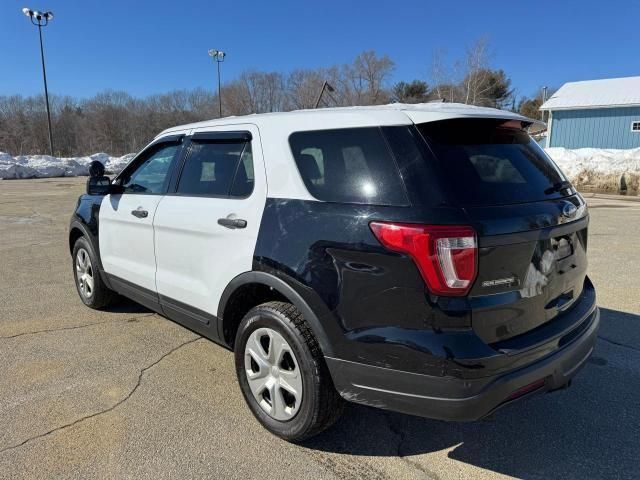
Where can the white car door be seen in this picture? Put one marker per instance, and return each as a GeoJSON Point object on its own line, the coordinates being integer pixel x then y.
{"type": "Point", "coordinates": [126, 219]}
{"type": "Point", "coordinates": [206, 231]}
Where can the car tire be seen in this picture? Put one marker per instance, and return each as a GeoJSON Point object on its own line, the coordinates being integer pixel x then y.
{"type": "Point", "coordinates": [278, 331]}
{"type": "Point", "coordinates": [89, 284]}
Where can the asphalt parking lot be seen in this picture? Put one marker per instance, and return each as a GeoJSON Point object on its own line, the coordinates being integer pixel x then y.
{"type": "Point", "coordinates": [126, 393]}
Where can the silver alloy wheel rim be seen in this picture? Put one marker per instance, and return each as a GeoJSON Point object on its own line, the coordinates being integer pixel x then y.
{"type": "Point", "coordinates": [84, 273]}
{"type": "Point", "coordinates": [273, 374]}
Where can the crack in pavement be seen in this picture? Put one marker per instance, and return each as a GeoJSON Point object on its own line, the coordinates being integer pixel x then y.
{"type": "Point", "coordinates": [107, 410]}
{"type": "Point", "coordinates": [624, 345]}
{"type": "Point", "coordinates": [75, 327]}
{"type": "Point", "coordinates": [398, 432]}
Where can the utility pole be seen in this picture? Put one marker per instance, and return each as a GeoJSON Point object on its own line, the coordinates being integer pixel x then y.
{"type": "Point", "coordinates": [42, 20]}
{"type": "Point", "coordinates": [326, 85]}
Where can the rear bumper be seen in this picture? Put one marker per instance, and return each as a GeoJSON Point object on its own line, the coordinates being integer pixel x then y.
{"type": "Point", "coordinates": [457, 399]}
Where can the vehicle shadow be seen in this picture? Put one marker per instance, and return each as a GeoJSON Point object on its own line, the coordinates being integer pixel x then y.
{"type": "Point", "coordinates": [125, 305]}
{"type": "Point", "coordinates": [591, 430]}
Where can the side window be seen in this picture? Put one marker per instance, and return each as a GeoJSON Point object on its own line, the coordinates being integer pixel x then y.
{"type": "Point", "coordinates": [351, 165]}
{"type": "Point", "coordinates": [244, 179]}
{"type": "Point", "coordinates": [217, 170]}
{"type": "Point", "coordinates": [152, 175]}
{"type": "Point", "coordinates": [316, 153]}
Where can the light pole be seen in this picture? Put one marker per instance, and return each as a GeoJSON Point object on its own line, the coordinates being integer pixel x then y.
{"type": "Point", "coordinates": [40, 20]}
{"type": "Point", "coordinates": [218, 56]}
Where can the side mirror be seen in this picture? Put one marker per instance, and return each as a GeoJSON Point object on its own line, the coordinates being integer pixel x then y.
{"type": "Point", "coordinates": [99, 185]}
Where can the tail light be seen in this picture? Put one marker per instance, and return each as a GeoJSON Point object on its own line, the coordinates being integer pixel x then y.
{"type": "Point", "coordinates": [445, 255]}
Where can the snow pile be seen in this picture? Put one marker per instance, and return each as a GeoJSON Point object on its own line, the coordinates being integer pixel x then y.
{"type": "Point", "coordinates": [39, 166]}
{"type": "Point", "coordinates": [597, 160]}
{"type": "Point", "coordinates": [600, 169]}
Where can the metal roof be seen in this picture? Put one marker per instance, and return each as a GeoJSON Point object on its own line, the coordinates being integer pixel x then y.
{"type": "Point", "coordinates": [606, 93]}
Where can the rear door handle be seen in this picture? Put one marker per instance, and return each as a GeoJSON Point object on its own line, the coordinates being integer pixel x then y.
{"type": "Point", "coordinates": [232, 222]}
{"type": "Point", "coordinates": [140, 213]}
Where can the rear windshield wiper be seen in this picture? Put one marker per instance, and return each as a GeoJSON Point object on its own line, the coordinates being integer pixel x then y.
{"type": "Point", "coordinates": [558, 187]}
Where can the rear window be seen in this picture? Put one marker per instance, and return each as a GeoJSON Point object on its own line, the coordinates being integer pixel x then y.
{"type": "Point", "coordinates": [348, 165]}
{"type": "Point", "coordinates": [487, 162]}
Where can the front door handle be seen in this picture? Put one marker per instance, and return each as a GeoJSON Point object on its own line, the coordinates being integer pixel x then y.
{"type": "Point", "coordinates": [232, 222]}
{"type": "Point", "coordinates": [140, 213]}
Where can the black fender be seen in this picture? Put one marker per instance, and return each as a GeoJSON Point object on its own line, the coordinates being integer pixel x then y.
{"type": "Point", "coordinates": [85, 232]}
{"type": "Point", "coordinates": [289, 292]}
{"type": "Point", "coordinates": [85, 219]}
{"type": "Point", "coordinates": [93, 241]}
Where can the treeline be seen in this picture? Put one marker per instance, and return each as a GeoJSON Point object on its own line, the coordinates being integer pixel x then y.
{"type": "Point", "coordinates": [117, 123]}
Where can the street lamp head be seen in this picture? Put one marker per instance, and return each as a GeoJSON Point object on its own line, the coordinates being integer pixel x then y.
{"type": "Point", "coordinates": [37, 17]}
{"type": "Point", "coordinates": [218, 55]}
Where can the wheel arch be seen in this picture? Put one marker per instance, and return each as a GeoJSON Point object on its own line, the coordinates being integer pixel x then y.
{"type": "Point", "coordinates": [282, 290]}
{"type": "Point", "coordinates": [79, 229]}
{"type": "Point", "coordinates": [75, 232]}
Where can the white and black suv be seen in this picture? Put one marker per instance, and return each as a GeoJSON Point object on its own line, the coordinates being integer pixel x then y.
{"type": "Point", "coordinates": [428, 259]}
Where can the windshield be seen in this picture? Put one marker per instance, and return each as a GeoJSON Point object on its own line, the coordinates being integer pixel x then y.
{"type": "Point", "coordinates": [488, 162]}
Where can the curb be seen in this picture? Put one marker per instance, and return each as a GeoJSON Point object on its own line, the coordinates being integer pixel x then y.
{"type": "Point", "coordinates": [606, 196]}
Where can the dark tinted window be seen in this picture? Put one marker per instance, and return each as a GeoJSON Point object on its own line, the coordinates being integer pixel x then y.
{"type": "Point", "coordinates": [348, 165]}
{"type": "Point", "coordinates": [217, 169]}
{"type": "Point", "coordinates": [243, 181]}
{"type": "Point", "coordinates": [151, 176]}
{"type": "Point", "coordinates": [490, 162]}
{"type": "Point", "coordinates": [416, 165]}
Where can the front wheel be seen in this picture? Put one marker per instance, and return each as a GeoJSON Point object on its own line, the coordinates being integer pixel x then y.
{"type": "Point", "coordinates": [92, 290]}
{"type": "Point", "coordinates": [282, 373]}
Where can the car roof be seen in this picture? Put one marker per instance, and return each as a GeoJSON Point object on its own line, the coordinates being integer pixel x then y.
{"type": "Point", "coordinates": [344, 117]}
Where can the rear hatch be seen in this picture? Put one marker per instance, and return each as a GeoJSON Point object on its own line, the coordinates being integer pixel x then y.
{"type": "Point", "coordinates": [531, 224]}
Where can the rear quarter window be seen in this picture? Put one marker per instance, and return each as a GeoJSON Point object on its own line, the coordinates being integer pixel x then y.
{"type": "Point", "coordinates": [348, 165]}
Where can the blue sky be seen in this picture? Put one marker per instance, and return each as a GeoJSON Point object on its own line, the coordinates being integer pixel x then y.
{"type": "Point", "coordinates": [147, 47]}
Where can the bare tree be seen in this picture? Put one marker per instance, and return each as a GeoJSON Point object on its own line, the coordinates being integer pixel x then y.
{"type": "Point", "coordinates": [364, 81]}
{"type": "Point", "coordinates": [444, 78]}
{"type": "Point", "coordinates": [474, 83]}
{"type": "Point", "coordinates": [303, 87]}
{"type": "Point", "coordinates": [471, 80]}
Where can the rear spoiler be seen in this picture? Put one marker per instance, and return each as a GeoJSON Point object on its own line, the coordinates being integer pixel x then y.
{"type": "Point", "coordinates": [423, 116]}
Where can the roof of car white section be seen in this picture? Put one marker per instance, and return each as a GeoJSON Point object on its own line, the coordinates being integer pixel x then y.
{"type": "Point", "coordinates": [345, 117]}
{"type": "Point", "coordinates": [610, 92]}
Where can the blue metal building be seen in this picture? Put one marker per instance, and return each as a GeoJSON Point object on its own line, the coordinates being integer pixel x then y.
{"type": "Point", "coordinates": [595, 113]}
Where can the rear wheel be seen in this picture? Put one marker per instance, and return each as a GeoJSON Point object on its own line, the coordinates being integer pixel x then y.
{"type": "Point", "coordinates": [92, 290]}
{"type": "Point", "coordinates": [282, 373]}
